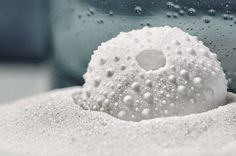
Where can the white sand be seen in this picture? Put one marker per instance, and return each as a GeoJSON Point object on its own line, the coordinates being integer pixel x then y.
{"type": "Point", "coordinates": [51, 124]}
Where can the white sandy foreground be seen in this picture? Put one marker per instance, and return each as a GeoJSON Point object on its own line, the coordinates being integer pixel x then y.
{"type": "Point", "coordinates": [51, 124]}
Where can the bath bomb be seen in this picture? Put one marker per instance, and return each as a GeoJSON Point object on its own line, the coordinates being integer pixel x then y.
{"type": "Point", "coordinates": [153, 72]}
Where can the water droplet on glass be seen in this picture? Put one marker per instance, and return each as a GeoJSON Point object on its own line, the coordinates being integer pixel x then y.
{"type": "Point", "coordinates": [191, 11]}
{"type": "Point", "coordinates": [206, 20]}
{"type": "Point", "coordinates": [111, 13]}
{"type": "Point", "coordinates": [211, 12]}
{"type": "Point", "coordinates": [169, 5]}
{"type": "Point", "coordinates": [138, 10]}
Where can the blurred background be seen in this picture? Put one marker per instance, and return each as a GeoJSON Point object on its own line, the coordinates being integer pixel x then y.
{"type": "Point", "coordinates": [47, 44]}
{"type": "Point", "coordinates": [25, 48]}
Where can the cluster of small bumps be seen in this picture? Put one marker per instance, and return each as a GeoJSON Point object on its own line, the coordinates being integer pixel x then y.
{"type": "Point", "coordinates": [153, 72]}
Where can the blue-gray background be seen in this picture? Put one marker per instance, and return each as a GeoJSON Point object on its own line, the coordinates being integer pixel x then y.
{"type": "Point", "coordinates": [25, 48]}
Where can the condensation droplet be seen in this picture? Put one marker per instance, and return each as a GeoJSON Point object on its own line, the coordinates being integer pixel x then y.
{"type": "Point", "coordinates": [211, 12]}
{"type": "Point", "coordinates": [138, 9]}
{"type": "Point", "coordinates": [191, 11]}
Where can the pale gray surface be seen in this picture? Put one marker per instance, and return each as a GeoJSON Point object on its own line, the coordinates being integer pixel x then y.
{"type": "Point", "coordinates": [4, 153]}
{"type": "Point", "coordinates": [22, 80]}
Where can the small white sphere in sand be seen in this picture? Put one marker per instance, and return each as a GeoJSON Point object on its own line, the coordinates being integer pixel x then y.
{"type": "Point", "coordinates": [153, 72]}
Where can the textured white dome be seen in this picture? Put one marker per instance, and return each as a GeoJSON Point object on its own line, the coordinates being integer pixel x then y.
{"type": "Point", "coordinates": [153, 72]}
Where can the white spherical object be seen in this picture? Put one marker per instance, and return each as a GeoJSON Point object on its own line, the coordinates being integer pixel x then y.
{"type": "Point", "coordinates": [153, 72]}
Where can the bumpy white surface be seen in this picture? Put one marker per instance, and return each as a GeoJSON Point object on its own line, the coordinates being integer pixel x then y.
{"type": "Point", "coordinates": [153, 72]}
{"type": "Point", "coordinates": [52, 125]}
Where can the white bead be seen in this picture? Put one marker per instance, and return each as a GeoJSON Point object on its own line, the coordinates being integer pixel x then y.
{"type": "Point", "coordinates": [148, 97]}
{"type": "Point", "coordinates": [128, 100]}
{"type": "Point", "coordinates": [146, 112]}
